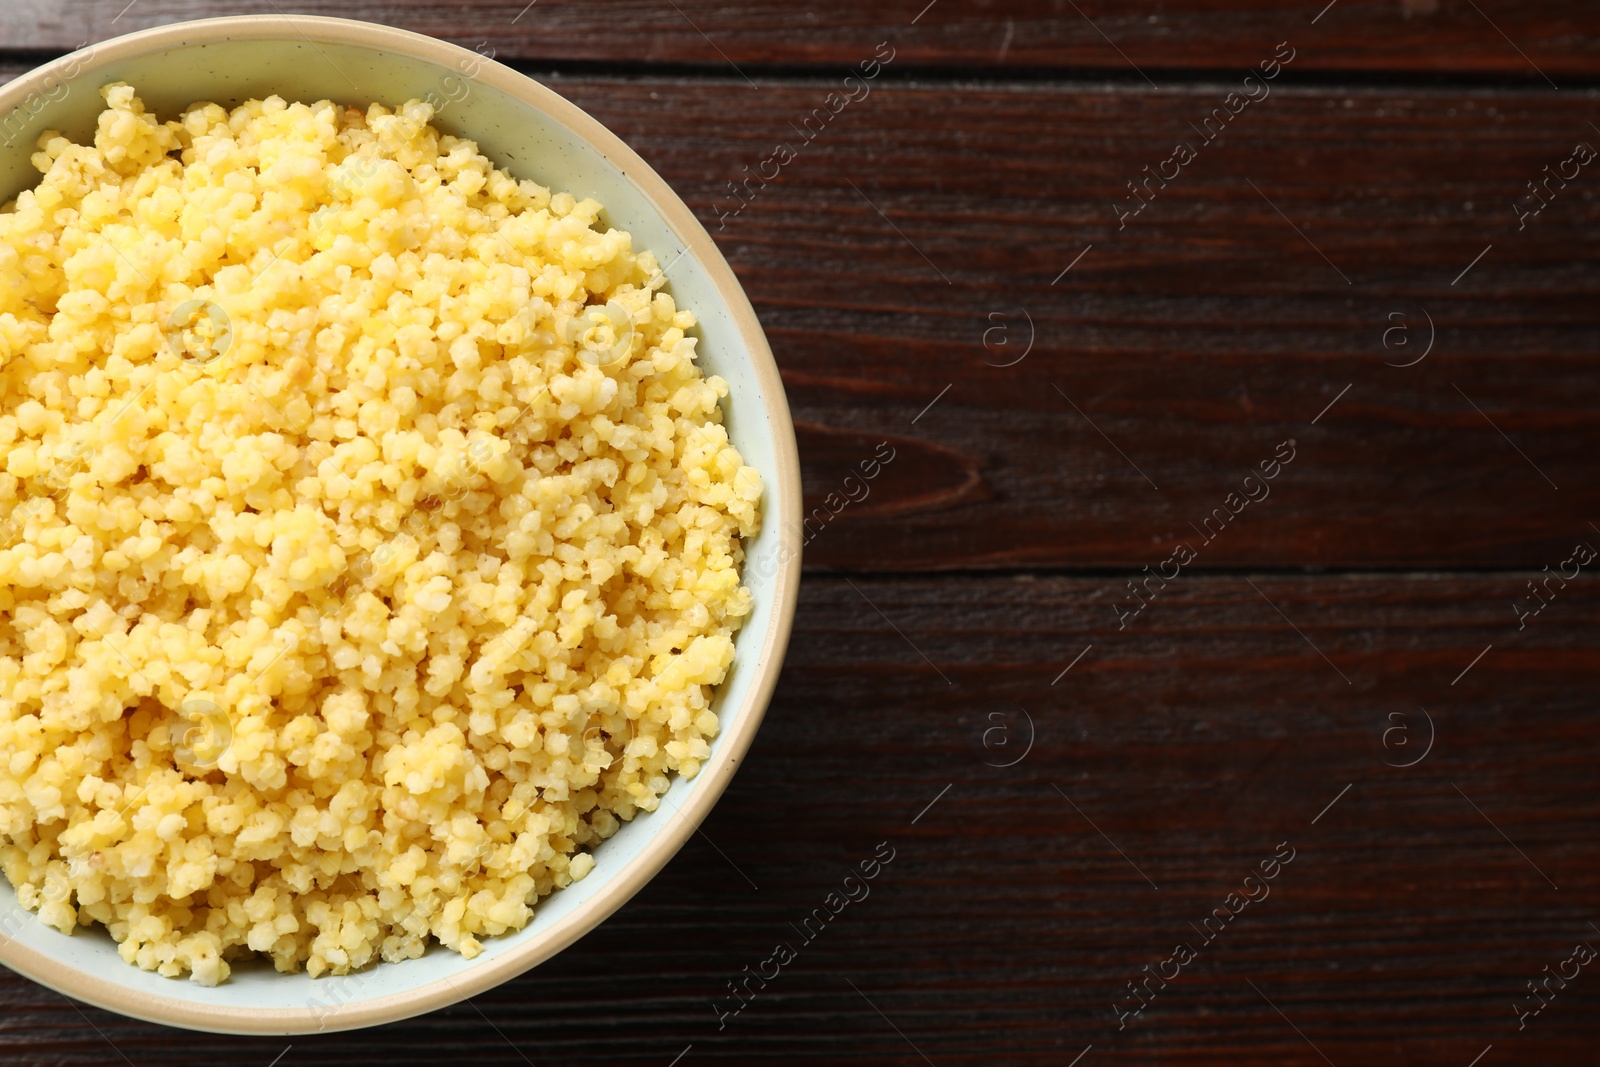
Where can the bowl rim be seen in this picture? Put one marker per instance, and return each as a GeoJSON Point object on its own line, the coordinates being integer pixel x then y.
{"type": "Point", "coordinates": [665, 840]}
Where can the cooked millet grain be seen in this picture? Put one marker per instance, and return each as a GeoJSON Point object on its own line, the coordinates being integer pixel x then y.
{"type": "Point", "coordinates": [357, 573]}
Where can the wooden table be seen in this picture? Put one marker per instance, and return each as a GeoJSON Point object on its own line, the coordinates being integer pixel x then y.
{"type": "Point", "coordinates": [1073, 377]}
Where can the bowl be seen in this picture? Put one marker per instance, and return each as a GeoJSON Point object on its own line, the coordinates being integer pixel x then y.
{"type": "Point", "coordinates": [527, 129]}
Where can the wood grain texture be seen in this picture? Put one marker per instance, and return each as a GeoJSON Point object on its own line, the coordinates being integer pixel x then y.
{"type": "Point", "coordinates": [1006, 924]}
{"type": "Point", "coordinates": [1555, 37]}
{"type": "Point", "coordinates": [929, 224]}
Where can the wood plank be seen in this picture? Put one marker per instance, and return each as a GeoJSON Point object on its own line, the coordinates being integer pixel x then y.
{"type": "Point", "coordinates": [1555, 37]}
{"type": "Point", "coordinates": [927, 224]}
{"type": "Point", "coordinates": [895, 254]}
{"type": "Point", "coordinates": [1006, 925]}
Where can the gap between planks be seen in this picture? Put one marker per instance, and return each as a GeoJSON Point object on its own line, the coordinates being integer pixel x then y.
{"type": "Point", "coordinates": [14, 62]}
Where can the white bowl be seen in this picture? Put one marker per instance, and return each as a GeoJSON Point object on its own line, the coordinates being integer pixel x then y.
{"type": "Point", "coordinates": [532, 132]}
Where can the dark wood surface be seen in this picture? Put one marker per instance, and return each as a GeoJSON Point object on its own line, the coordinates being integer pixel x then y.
{"type": "Point", "coordinates": [1205, 318]}
{"type": "Point", "coordinates": [1532, 41]}
{"type": "Point", "coordinates": [1264, 696]}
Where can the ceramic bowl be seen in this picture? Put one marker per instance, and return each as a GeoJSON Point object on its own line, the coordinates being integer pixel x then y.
{"type": "Point", "coordinates": [534, 133]}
